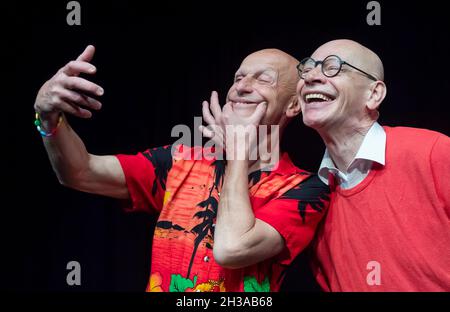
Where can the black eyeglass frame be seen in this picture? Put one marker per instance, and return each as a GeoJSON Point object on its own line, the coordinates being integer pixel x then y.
{"type": "Point", "coordinates": [341, 62]}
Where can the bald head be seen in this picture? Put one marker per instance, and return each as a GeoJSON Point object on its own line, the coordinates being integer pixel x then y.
{"type": "Point", "coordinates": [354, 53]}
{"type": "Point", "coordinates": [278, 56]}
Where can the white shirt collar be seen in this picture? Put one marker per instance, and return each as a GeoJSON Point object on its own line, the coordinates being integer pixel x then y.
{"type": "Point", "coordinates": [372, 149]}
{"type": "Point", "coordinates": [373, 146]}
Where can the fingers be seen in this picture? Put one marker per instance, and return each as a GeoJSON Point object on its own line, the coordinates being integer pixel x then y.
{"type": "Point", "coordinates": [216, 137]}
{"type": "Point", "coordinates": [74, 68]}
{"type": "Point", "coordinates": [77, 99]}
{"type": "Point", "coordinates": [209, 119]}
{"type": "Point", "coordinates": [67, 92]}
{"type": "Point", "coordinates": [87, 54]}
{"type": "Point", "coordinates": [72, 109]}
{"type": "Point", "coordinates": [215, 106]}
{"type": "Point", "coordinates": [227, 109]}
{"type": "Point", "coordinates": [259, 113]}
{"type": "Point", "coordinates": [81, 64]}
{"type": "Point", "coordinates": [83, 85]}
{"type": "Point", "coordinates": [206, 132]}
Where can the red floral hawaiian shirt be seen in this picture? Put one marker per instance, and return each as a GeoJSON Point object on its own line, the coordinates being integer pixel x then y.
{"type": "Point", "coordinates": [185, 193]}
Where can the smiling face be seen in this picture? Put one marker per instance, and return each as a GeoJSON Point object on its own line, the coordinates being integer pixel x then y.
{"type": "Point", "coordinates": [265, 76]}
{"type": "Point", "coordinates": [343, 100]}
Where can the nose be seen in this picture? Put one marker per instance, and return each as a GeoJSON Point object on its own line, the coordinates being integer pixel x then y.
{"type": "Point", "coordinates": [244, 86]}
{"type": "Point", "coordinates": [315, 76]}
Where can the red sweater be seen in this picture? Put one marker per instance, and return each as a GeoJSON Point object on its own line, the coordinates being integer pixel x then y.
{"type": "Point", "coordinates": [392, 231]}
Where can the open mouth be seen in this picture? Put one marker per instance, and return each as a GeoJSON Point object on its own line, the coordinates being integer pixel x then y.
{"type": "Point", "coordinates": [317, 98]}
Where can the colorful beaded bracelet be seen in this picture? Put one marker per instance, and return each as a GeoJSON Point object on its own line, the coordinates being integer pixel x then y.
{"type": "Point", "coordinates": [38, 123]}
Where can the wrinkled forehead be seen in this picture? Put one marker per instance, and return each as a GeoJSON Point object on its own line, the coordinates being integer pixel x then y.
{"type": "Point", "coordinates": [262, 62]}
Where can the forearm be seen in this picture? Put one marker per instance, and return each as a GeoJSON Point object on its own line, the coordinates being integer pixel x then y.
{"type": "Point", "coordinates": [235, 218]}
{"type": "Point", "coordinates": [67, 152]}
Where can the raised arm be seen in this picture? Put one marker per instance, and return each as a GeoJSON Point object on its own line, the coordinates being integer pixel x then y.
{"type": "Point", "coordinates": [67, 93]}
{"type": "Point", "coordinates": [240, 239]}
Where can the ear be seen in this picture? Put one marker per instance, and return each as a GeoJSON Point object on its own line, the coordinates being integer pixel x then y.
{"type": "Point", "coordinates": [293, 108]}
{"type": "Point", "coordinates": [376, 96]}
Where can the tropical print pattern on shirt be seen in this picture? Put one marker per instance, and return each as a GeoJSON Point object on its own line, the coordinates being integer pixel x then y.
{"type": "Point", "coordinates": [186, 195]}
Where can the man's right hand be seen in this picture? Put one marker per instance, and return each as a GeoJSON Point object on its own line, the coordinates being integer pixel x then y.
{"type": "Point", "coordinates": [66, 92]}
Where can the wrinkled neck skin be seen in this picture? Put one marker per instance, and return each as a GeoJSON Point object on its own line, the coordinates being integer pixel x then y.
{"type": "Point", "coordinates": [344, 141]}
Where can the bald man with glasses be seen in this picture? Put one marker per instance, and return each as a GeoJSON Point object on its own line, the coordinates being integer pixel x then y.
{"type": "Point", "coordinates": [388, 225]}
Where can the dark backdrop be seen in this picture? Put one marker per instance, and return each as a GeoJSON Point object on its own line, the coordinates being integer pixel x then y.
{"type": "Point", "coordinates": [157, 64]}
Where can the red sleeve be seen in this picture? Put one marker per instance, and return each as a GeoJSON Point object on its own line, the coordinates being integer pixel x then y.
{"type": "Point", "coordinates": [146, 175]}
{"type": "Point", "coordinates": [440, 164]}
{"type": "Point", "coordinates": [296, 214]}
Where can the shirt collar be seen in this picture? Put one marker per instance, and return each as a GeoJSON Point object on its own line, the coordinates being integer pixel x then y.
{"type": "Point", "coordinates": [373, 148]}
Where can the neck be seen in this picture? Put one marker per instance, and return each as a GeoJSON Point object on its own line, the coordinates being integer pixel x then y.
{"type": "Point", "coordinates": [344, 142]}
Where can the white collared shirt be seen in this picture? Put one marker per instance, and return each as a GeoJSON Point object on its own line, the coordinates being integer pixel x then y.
{"type": "Point", "coordinates": [371, 150]}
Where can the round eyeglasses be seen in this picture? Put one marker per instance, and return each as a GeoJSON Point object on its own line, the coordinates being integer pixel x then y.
{"type": "Point", "coordinates": [331, 66]}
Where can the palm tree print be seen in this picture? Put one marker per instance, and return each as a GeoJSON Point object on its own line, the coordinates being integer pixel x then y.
{"type": "Point", "coordinates": [161, 159]}
{"type": "Point", "coordinates": [167, 225]}
{"type": "Point", "coordinates": [312, 192]}
{"type": "Point", "coordinates": [205, 227]}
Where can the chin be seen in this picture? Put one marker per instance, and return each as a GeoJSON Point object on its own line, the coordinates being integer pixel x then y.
{"type": "Point", "coordinates": [313, 121]}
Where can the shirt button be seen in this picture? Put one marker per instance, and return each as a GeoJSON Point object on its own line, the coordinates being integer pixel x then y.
{"type": "Point", "coordinates": [206, 259]}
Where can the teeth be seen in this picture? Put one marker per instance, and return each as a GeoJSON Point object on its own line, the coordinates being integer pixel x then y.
{"type": "Point", "coordinates": [317, 96]}
{"type": "Point", "coordinates": [242, 103]}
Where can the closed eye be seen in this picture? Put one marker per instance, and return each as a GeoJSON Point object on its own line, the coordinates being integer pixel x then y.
{"type": "Point", "coordinates": [266, 77]}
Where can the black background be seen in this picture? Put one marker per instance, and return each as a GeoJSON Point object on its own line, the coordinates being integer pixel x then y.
{"type": "Point", "coordinates": [157, 63]}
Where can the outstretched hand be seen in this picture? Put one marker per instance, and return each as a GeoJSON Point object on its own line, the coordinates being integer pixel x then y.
{"type": "Point", "coordinates": [68, 93]}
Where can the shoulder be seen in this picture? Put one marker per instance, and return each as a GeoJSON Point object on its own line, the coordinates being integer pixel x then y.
{"type": "Point", "coordinates": [159, 154]}
{"type": "Point", "coordinates": [310, 189]}
{"type": "Point", "coordinates": [182, 152]}
{"type": "Point", "coordinates": [414, 142]}
{"type": "Point", "coordinates": [409, 135]}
